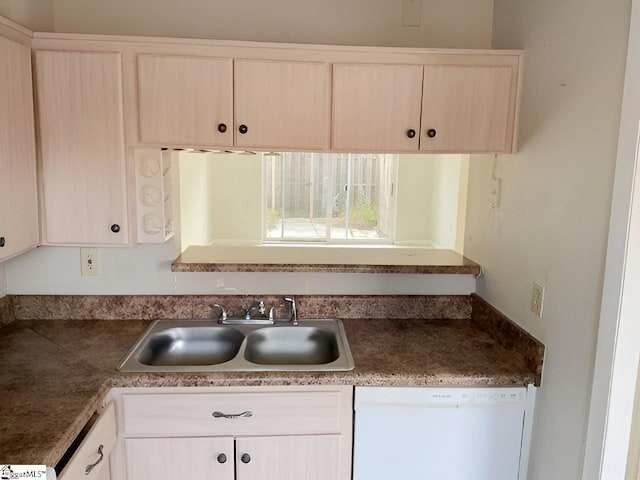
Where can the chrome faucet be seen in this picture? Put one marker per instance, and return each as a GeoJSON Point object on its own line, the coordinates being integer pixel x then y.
{"type": "Point", "coordinates": [294, 309]}
{"type": "Point", "coordinates": [223, 312]}
{"type": "Point", "coordinates": [258, 306]}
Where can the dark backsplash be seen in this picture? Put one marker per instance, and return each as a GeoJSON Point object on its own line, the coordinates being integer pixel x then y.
{"type": "Point", "coordinates": [123, 307]}
{"type": "Point", "coordinates": [6, 310]}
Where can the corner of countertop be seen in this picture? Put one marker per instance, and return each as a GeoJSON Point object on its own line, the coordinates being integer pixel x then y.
{"type": "Point", "coordinates": [508, 333]}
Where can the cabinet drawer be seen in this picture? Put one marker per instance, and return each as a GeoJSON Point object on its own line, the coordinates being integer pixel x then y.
{"type": "Point", "coordinates": [103, 433]}
{"type": "Point", "coordinates": [272, 413]}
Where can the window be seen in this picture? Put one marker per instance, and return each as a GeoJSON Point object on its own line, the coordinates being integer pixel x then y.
{"type": "Point", "coordinates": [319, 197]}
{"type": "Point", "coordinates": [230, 198]}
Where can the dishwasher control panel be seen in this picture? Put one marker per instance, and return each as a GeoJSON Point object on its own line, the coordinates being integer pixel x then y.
{"type": "Point", "coordinates": [422, 396]}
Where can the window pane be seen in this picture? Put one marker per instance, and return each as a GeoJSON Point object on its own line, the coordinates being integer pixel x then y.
{"type": "Point", "coordinates": [302, 190]}
{"type": "Point", "coordinates": [296, 193]}
{"type": "Point", "coordinates": [363, 197]}
{"type": "Point", "coordinates": [362, 201]}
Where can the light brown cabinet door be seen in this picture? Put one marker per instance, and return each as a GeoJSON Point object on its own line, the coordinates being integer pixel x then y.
{"type": "Point", "coordinates": [185, 100]}
{"type": "Point", "coordinates": [468, 108]}
{"type": "Point", "coordinates": [208, 458]}
{"type": "Point", "coordinates": [283, 105]}
{"type": "Point", "coordinates": [376, 108]}
{"type": "Point", "coordinates": [18, 190]}
{"type": "Point", "coordinates": [79, 109]}
{"type": "Point", "coordinates": [312, 457]}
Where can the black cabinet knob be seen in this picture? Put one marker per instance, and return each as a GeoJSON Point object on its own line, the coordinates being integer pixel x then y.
{"type": "Point", "coordinates": [2, 242]}
{"type": "Point", "coordinates": [222, 127]}
{"type": "Point", "coordinates": [243, 129]}
{"type": "Point", "coordinates": [115, 228]}
{"type": "Point", "coordinates": [222, 458]}
{"type": "Point", "coordinates": [431, 133]}
{"type": "Point", "coordinates": [245, 458]}
{"type": "Point", "coordinates": [411, 133]}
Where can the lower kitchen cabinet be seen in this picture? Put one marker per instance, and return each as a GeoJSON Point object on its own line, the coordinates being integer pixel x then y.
{"type": "Point", "coordinates": [312, 457]}
{"type": "Point", "coordinates": [234, 433]}
{"type": "Point", "coordinates": [174, 458]}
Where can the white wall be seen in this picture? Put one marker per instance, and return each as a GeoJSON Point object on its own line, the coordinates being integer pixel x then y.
{"type": "Point", "coordinates": [454, 23]}
{"type": "Point", "coordinates": [612, 394]}
{"type": "Point", "coordinates": [235, 205]}
{"type": "Point", "coordinates": [449, 184]}
{"type": "Point", "coordinates": [413, 197]}
{"type": "Point", "coordinates": [428, 193]}
{"type": "Point", "coordinates": [553, 222]}
{"type": "Point", "coordinates": [196, 227]}
{"type": "Point", "coordinates": [146, 270]}
{"type": "Point", "coordinates": [34, 14]}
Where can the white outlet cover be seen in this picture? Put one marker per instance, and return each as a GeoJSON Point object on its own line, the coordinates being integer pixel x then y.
{"type": "Point", "coordinates": [537, 298]}
{"type": "Point", "coordinates": [89, 262]}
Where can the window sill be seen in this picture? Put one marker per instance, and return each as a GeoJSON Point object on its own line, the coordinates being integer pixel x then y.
{"type": "Point", "coordinates": [323, 258]}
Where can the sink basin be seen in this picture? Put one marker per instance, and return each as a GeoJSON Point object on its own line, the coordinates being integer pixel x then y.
{"type": "Point", "coordinates": [206, 346]}
{"type": "Point", "coordinates": [291, 346]}
{"type": "Point", "coordinates": [191, 346]}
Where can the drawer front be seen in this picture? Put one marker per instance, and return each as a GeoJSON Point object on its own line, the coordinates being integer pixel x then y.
{"type": "Point", "coordinates": [272, 413]}
{"type": "Point", "coordinates": [102, 433]}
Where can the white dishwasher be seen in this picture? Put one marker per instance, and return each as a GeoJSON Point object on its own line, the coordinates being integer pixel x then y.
{"type": "Point", "coordinates": [442, 433]}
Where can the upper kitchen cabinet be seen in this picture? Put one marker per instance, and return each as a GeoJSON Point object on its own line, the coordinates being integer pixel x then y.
{"type": "Point", "coordinates": [469, 108]}
{"type": "Point", "coordinates": [221, 102]}
{"type": "Point", "coordinates": [80, 118]}
{"type": "Point", "coordinates": [456, 103]}
{"type": "Point", "coordinates": [376, 108]}
{"type": "Point", "coordinates": [185, 100]}
{"type": "Point", "coordinates": [18, 188]}
{"type": "Point", "coordinates": [282, 105]}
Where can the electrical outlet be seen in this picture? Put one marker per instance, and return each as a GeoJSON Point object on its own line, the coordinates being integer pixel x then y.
{"type": "Point", "coordinates": [537, 298]}
{"type": "Point", "coordinates": [89, 261]}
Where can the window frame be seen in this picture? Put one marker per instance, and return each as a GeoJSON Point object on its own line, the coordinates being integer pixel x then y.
{"type": "Point", "coordinates": [328, 240]}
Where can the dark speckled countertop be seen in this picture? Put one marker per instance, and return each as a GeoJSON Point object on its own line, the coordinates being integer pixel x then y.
{"type": "Point", "coordinates": [55, 372]}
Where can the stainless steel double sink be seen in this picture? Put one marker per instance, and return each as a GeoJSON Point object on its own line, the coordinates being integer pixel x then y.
{"type": "Point", "coordinates": [205, 345]}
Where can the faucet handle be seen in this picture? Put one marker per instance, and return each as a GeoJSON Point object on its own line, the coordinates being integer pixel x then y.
{"type": "Point", "coordinates": [223, 312]}
{"type": "Point", "coordinates": [261, 307]}
{"type": "Point", "coordinates": [294, 309]}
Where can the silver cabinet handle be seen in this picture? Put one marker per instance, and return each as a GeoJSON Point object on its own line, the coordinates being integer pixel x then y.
{"type": "Point", "coordinates": [91, 466]}
{"type": "Point", "coordinates": [246, 414]}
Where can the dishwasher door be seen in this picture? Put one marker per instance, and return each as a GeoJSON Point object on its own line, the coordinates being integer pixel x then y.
{"type": "Point", "coordinates": [438, 433]}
